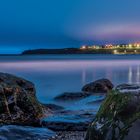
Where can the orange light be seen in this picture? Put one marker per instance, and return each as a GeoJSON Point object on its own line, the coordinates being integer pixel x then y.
{"type": "Point", "coordinates": [83, 47]}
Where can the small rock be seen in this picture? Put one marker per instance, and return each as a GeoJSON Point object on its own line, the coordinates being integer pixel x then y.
{"type": "Point", "coordinates": [99, 86]}
{"type": "Point", "coordinates": [70, 96]}
{"type": "Point", "coordinates": [128, 88]}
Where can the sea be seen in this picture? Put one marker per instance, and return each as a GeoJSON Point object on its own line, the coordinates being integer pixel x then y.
{"type": "Point", "coordinates": [56, 74]}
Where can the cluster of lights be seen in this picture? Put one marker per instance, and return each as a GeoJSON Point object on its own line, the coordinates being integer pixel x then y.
{"type": "Point", "coordinates": [110, 46]}
{"type": "Point", "coordinates": [124, 52]}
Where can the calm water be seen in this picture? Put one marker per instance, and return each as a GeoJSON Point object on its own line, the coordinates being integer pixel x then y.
{"type": "Point", "coordinates": [55, 74]}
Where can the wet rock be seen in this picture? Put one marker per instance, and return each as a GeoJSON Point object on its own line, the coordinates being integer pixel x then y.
{"type": "Point", "coordinates": [70, 96]}
{"type": "Point", "coordinates": [127, 88]}
{"type": "Point", "coordinates": [18, 103]}
{"type": "Point", "coordinates": [99, 86]}
{"type": "Point", "coordinates": [117, 119]}
{"type": "Point", "coordinates": [134, 131]}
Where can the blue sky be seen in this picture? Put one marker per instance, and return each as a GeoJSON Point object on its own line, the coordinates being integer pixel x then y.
{"type": "Point", "coordinates": [28, 24]}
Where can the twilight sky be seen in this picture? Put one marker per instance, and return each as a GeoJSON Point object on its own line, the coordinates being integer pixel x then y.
{"type": "Point", "coordinates": [28, 24]}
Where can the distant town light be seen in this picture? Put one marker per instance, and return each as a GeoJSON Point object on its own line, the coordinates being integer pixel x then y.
{"type": "Point", "coordinates": [133, 48]}
{"type": "Point", "coordinates": [115, 51]}
{"type": "Point", "coordinates": [130, 46]}
{"type": "Point", "coordinates": [83, 47]}
{"type": "Point", "coordinates": [138, 45]}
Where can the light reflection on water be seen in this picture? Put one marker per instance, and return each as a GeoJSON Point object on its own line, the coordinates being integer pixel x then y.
{"type": "Point", "coordinates": [53, 77]}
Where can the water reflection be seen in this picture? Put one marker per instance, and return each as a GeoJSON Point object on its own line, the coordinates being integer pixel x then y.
{"type": "Point", "coordinates": [83, 77]}
{"type": "Point", "coordinates": [134, 75]}
{"type": "Point", "coordinates": [130, 75]}
{"type": "Point", "coordinates": [53, 77]}
{"type": "Point", "coordinates": [124, 74]}
{"type": "Point", "coordinates": [138, 75]}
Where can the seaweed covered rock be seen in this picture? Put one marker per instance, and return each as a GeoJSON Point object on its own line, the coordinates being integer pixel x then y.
{"type": "Point", "coordinates": [99, 86]}
{"type": "Point", "coordinates": [18, 103]}
{"type": "Point", "coordinates": [117, 119]}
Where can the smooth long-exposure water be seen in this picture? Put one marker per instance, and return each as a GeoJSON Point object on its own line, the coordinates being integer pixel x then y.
{"type": "Point", "coordinates": [55, 74]}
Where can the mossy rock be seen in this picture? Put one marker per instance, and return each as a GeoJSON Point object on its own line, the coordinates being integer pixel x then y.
{"type": "Point", "coordinates": [117, 119]}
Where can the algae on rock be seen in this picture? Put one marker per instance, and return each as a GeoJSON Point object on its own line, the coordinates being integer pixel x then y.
{"type": "Point", "coordinates": [116, 116]}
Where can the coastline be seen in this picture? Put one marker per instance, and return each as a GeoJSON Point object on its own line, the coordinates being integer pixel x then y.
{"type": "Point", "coordinates": [122, 51]}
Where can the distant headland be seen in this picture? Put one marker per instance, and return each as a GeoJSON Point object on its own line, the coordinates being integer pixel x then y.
{"type": "Point", "coordinates": [133, 48]}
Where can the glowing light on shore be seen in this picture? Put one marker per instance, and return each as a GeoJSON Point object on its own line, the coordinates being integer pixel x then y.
{"type": "Point", "coordinates": [83, 47]}
{"type": "Point", "coordinates": [130, 46]}
{"type": "Point", "coordinates": [138, 45]}
{"type": "Point", "coordinates": [115, 52]}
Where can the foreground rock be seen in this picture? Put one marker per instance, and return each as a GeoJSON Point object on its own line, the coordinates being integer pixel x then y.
{"type": "Point", "coordinates": [118, 118]}
{"type": "Point", "coordinates": [70, 96]}
{"type": "Point", "coordinates": [18, 103]}
{"type": "Point", "coordinates": [99, 86]}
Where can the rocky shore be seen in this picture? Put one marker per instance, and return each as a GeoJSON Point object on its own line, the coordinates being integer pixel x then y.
{"type": "Point", "coordinates": [118, 117]}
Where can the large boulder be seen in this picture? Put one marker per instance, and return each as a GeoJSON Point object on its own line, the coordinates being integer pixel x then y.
{"type": "Point", "coordinates": [99, 86]}
{"type": "Point", "coordinates": [117, 119]}
{"type": "Point", "coordinates": [18, 103]}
